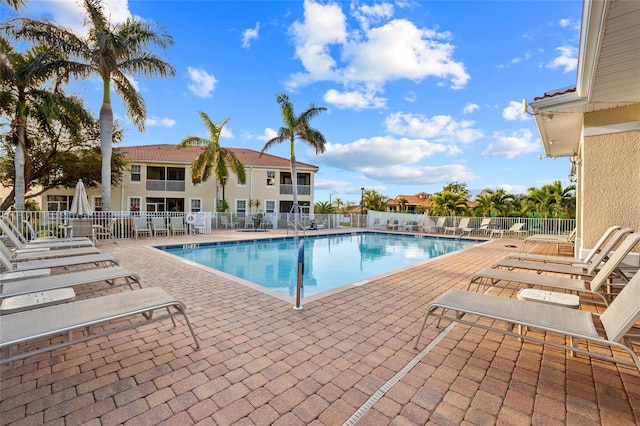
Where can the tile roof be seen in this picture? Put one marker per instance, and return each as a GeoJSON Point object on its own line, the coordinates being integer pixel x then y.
{"type": "Point", "coordinates": [167, 153]}
{"type": "Point", "coordinates": [556, 92]}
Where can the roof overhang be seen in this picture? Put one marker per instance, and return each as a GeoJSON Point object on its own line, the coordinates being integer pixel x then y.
{"type": "Point", "coordinates": [607, 75]}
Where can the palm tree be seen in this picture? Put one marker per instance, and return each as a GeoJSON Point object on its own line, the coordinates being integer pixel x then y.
{"type": "Point", "coordinates": [113, 52]}
{"type": "Point", "coordinates": [296, 127]}
{"type": "Point", "coordinates": [214, 160]}
{"type": "Point", "coordinates": [373, 200]}
{"type": "Point", "coordinates": [15, 4]}
{"type": "Point", "coordinates": [24, 97]}
{"type": "Point", "coordinates": [492, 202]}
{"type": "Point", "coordinates": [447, 203]}
{"type": "Point", "coordinates": [322, 207]}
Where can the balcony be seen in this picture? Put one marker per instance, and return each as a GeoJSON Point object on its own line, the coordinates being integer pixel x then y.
{"type": "Point", "coordinates": [165, 185]}
{"type": "Point", "coordinates": [288, 189]}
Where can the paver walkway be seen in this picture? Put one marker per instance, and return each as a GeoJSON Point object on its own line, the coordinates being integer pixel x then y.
{"type": "Point", "coordinates": [263, 363]}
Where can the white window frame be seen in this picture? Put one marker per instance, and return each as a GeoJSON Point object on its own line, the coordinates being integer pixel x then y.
{"type": "Point", "coordinates": [273, 184]}
{"type": "Point", "coordinates": [96, 203]}
{"type": "Point", "coordinates": [275, 207]}
{"type": "Point", "coordinates": [139, 173]}
{"type": "Point", "coordinates": [236, 207]}
{"type": "Point", "coordinates": [193, 208]}
{"type": "Point", "coordinates": [130, 203]}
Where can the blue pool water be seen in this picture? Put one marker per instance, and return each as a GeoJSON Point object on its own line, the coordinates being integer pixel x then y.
{"type": "Point", "coordinates": [330, 261]}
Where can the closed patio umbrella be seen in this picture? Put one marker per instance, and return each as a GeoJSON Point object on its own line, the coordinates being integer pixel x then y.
{"type": "Point", "coordinates": [80, 205]}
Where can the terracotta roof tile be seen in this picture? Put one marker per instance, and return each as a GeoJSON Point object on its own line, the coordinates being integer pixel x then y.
{"type": "Point", "coordinates": [167, 153]}
{"type": "Point", "coordinates": [556, 92]}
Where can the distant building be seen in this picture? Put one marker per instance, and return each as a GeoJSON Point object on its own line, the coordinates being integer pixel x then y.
{"type": "Point", "coordinates": [410, 203]}
{"type": "Point", "coordinates": [158, 179]}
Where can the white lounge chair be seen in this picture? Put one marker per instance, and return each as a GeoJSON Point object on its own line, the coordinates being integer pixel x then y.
{"type": "Point", "coordinates": [516, 228]}
{"type": "Point", "coordinates": [93, 316]}
{"type": "Point", "coordinates": [159, 226]}
{"type": "Point", "coordinates": [109, 275]}
{"type": "Point", "coordinates": [106, 231]}
{"type": "Point", "coordinates": [140, 226]}
{"type": "Point", "coordinates": [616, 321]}
{"type": "Point", "coordinates": [580, 269]}
{"type": "Point", "coordinates": [19, 241]}
{"type": "Point", "coordinates": [83, 228]}
{"type": "Point", "coordinates": [502, 278]}
{"type": "Point", "coordinates": [26, 255]}
{"type": "Point", "coordinates": [177, 225]}
{"type": "Point", "coordinates": [438, 225]}
{"type": "Point", "coordinates": [557, 240]}
{"type": "Point", "coordinates": [462, 225]}
{"type": "Point", "coordinates": [597, 248]}
{"type": "Point", "coordinates": [100, 259]}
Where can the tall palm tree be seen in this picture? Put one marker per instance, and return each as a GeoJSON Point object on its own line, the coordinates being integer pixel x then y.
{"type": "Point", "coordinates": [214, 160]}
{"type": "Point", "coordinates": [24, 97]}
{"type": "Point", "coordinates": [296, 127]}
{"type": "Point", "coordinates": [113, 52]}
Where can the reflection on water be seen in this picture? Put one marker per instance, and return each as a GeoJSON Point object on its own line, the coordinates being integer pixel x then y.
{"type": "Point", "coordinates": [330, 261]}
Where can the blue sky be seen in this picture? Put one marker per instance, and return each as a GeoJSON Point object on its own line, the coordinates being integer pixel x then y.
{"type": "Point", "coordinates": [419, 93]}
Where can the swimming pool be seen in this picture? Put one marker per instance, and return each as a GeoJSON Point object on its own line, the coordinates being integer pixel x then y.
{"type": "Point", "coordinates": [330, 261]}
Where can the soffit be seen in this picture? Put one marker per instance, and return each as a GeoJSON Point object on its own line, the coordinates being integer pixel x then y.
{"type": "Point", "coordinates": [608, 75]}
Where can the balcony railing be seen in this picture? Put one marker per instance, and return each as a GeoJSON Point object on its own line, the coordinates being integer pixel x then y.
{"type": "Point", "coordinates": [165, 185]}
{"type": "Point", "coordinates": [288, 189]}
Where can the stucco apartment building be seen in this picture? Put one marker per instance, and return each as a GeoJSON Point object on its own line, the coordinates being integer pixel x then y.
{"type": "Point", "coordinates": [596, 123]}
{"type": "Point", "coordinates": [158, 179]}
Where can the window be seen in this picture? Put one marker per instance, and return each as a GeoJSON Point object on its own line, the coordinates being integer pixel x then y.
{"type": "Point", "coordinates": [195, 205]}
{"type": "Point", "coordinates": [269, 206]}
{"type": "Point", "coordinates": [238, 183]}
{"type": "Point", "coordinates": [241, 208]}
{"type": "Point", "coordinates": [134, 204]}
{"type": "Point", "coordinates": [97, 204]}
{"type": "Point", "coordinates": [271, 178]}
{"type": "Point", "coordinates": [136, 173]}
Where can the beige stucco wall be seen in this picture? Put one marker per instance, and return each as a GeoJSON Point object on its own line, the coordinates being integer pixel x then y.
{"type": "Point", "coordinates": [255, 188]}
{"type": "Point", "coordinates": [609, 176]}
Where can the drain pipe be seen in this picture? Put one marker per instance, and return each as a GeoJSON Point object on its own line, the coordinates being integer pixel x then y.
{"type": "Point", "coordinates": [297, 307]}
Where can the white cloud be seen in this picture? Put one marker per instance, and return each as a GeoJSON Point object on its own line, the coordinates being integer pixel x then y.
{"type": "Point", "coordinates": [268, 134]}
{"type": "Point", "coordinates": [567, 59]}
{"type": "Point", "coordinates": [410, 97]}
{"type": "Point", "coordinates": [564, 22]}
{"type": "Point", "coordinates": [250, 34]}
{"type": "Point", "coordinates": [514, 112]}
{"type": "Point", "coordinates": [512, 145]}
{"type": "Point", "coordinates": [368, 14]}
{"type": "Point", "coordinates": [201, 83]}
{"type": "Point", "coordinates": [355, 100]}
{"type": "Point", "coordinates": [393, 160]}
{"type": "Point", "coordinates": [378, 152]}
{"type": "Point", "coordinates": [371, 56]}
{"type": "Point", "coordinates": [470, 107]}
{"type": "Point", "coordinates": [160, 122]}
{"type": "Point", "coordinates": [440, 128]}
{"type": "Point", "coordinates": [421, 175]}
{"type": "Point", "coordinates": [71, 14]}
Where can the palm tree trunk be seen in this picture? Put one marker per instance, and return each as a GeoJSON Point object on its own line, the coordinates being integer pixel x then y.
{"type": "Point", "coordinates": [20, 163]}
{"type": "Point", "coordinates": [106, 139]}
{"type": "Point", "coordinates": [294, 181]}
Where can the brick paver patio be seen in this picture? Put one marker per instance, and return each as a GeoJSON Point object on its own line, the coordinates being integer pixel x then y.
{"type": "Point", "coordinates": [263, 363]}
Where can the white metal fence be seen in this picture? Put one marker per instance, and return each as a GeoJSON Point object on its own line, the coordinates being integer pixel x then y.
{"type": "Point", "coordinates": [56, 223]}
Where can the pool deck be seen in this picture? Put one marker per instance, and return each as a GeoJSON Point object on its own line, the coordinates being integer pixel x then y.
{"type": "Point", "coordinates": [263, 363]}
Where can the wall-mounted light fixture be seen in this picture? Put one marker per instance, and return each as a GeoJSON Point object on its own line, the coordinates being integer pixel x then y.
{"type": "Point", "coordinates": [572, 177]}
{"type": "Point", "coordinates": [575, 160]}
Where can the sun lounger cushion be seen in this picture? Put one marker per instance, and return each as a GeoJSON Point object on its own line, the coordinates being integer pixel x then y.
{"type": "Point", "coordinates": [51, 321]}
{"type": "Point", "coordinates": [71, 279]}
{"type": "Point", "coordinates": [98, 259]}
